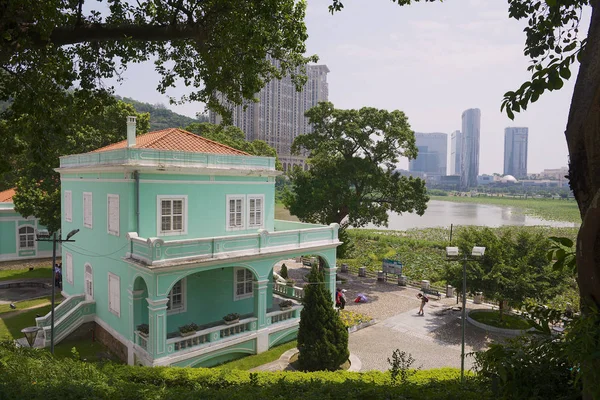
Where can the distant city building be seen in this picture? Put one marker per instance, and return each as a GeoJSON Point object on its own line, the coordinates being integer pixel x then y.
{"type": "Point", "coordinates": [471, 126]}
{"type": "Point", "coordinates": [515, 152]}
{"type": "Point", "coordinates": [433, 154]}
{"type": "Point", "coordinates": [456, 143]}
{"type": "Point", "coordinates": [278, 117]}
{"type": "Point", "coordinates": [483, 180]}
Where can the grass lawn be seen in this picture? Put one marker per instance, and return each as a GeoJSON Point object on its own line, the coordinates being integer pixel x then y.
{"type": "Point", "coordinates": [282, 213]}
{"type": "Point", "coordinates": [10, 327]}
{"type": "Point", "coordinates": [508, 321]}
{"type": "Point", "coordinates": [87, 350]}
{"type": "Point", "coordinates": [21, 305]}
{"type": "Point", "coordinates": [256, 360]}
{"type": "Point", "coordinates": [39, 272]}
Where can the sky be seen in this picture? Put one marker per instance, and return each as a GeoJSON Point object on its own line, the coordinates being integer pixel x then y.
{"type": "Point", "coordinates": [430, 60]}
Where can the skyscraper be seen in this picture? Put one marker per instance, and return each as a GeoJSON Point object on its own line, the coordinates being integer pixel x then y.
{"type": "Point", "coordinates": [278, 117]}
{"type": "Point", "coordinates": [433, 154]}
{"type": "Point", "coordinates": [456, 139]}
{"type": "Point", "coordinates": [515, 152]}
{"type": "Point", "coordinates": [471, 125]}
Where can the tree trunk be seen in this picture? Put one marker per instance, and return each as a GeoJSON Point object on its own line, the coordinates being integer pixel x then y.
{"type": "Point", "coordinates": [583, 140]}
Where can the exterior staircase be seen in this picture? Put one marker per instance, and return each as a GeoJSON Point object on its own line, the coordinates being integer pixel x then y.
{"type": "Point", "coordinates": [69, 315]}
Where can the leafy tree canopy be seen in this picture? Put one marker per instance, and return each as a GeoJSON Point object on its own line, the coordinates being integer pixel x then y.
{"type": "Point", "coordinates": [234, 137]}
{"type": "Point", "coordinates": [35, 143]}
{"type": "Point", "coordinates": [161, 117]}
{"type": "Point", "coordinates": [351, 180]}
{"type": "Point", "coordinates": [515, 266]}
{"type": "Point", "coordinates": [211, 46]}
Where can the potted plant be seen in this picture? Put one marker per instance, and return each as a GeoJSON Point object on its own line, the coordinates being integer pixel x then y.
{"type": "Point", "coordinates": [231, 318]}
{"type": "Point", "coordinates": [143, 329]}
{"type": "Point", "coordinates": [290, 282]}
{"type": "Point", "coordinates": [286, 305]}
{"type": "Point", "coordinates": [188, 330]}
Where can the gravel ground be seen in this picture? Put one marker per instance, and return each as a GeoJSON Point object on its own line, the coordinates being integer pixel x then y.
{"type": "Point", "coordinates": [24, 264]}
{"type": "Point", "coordinates": [433, 340]}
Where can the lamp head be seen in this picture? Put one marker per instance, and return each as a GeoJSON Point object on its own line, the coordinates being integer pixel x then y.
{"type": "Point", "coordinates": [42, 234]}
{"type": "Point", "coordinates": [478, 251]}
{"type": "Point", "coordinates": [452, 252]}
{"type": "Point", "coordinates": [72, 233]}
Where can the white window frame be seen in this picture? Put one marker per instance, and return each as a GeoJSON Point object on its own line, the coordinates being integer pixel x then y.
{"type": "Point", "coordinates": [108, 213]}
{"type": "Point", "coordinates": [33, 247]}
{"type": "Point", "coordinates": [159, 200]}
{"type": "Point", "coordinates": [69, 267]}
{"type": "Point", "coordinates": [242, 199]}
{"type": "Point", "coordinates": [68, 206]}
{"type": "Point", "coordinates": [255, 197]}
{"type": "Point", "coordinates": [183, 307]}
{"type": "Point", "coordinates": [90, 223]}
{"type": "Point", "coordinates": [246, 294]}
{"type": "Point", "coordinates": [114, 299]}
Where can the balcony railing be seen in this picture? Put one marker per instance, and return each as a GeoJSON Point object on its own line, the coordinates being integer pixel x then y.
{"type": "Point", "coordinates": [163, 158]}
{"type": "Point", "coordinates": [288, 291]}
{"type": "Point", "coordinates": [280, 316]}
{"type": "Point", "coordinates": [141, 340]}
{"type": "Point", "coordinates": [155, 251]}
{"type": "Point", "coordinates": [212, 335]}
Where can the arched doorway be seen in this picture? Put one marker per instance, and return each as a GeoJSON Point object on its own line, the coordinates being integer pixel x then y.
{"type": "Point", "coordinates": [89, 282]}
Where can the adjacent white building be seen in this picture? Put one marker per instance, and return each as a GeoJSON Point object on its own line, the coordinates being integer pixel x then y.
{"type": "Point", "coordinates": [278, 117]}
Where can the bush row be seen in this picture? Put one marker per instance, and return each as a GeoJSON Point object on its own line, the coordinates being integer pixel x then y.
{"type": "Point", "coordinates": [31, 374]}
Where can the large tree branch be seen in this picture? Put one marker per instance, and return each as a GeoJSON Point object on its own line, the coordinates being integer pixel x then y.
{"type": "Point", "coordinates": [68, 35]}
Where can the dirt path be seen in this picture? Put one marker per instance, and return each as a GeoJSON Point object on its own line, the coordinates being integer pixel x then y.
{"type": "Point", "coordinates": [11, 314]}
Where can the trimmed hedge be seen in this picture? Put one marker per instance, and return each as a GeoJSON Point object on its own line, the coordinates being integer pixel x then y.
{"type": "Point", "coordinates": [31, 374]}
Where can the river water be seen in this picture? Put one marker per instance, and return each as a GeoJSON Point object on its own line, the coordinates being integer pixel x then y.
{"type": "Point", "coordinates": [444, 213]}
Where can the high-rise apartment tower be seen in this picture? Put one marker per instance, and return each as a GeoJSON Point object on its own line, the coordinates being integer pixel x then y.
{"type": "Point", "coordinates": [456, 143]}
{"type": "Point", "coordinates": [433, 154]}
{"type": "Point", "coordinates": [471, 126]}
{"type": "Point", "coordinates": [515, 152]}
{"type": "Point", "coordinates": [278, 117]}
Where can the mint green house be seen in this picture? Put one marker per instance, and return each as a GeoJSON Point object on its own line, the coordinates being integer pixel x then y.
{"type": "Point", "coordinates": [17, 234]}
{"type": "Point", "coordinates": [177, 229]}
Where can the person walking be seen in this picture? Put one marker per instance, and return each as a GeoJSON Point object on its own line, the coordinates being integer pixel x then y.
{"type": "Point", "coordinates": [424, 300]}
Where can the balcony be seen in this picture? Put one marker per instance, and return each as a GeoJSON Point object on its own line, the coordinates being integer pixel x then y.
{"type": "Point", "coordinates": [287, 236]}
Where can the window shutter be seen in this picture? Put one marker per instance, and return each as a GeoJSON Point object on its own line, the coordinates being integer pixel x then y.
{"type": "Point", "coordinates": [113, 214]}
{"type": "Point", "coordinates": [87, 210]}
{"type": "Point", "coordinates": [69, 267]}
{"type": "Point", "coordinates": [68, 206]}
{"type": "Point", "coordinates": [114, 295]}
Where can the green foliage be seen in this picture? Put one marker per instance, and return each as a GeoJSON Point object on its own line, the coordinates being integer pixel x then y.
{"type": "Point", "coordinates": [161, 117]}
{"type": "Point", "coordinates": [283, 272]}
{"type": "Point", "coordinates": [38, 272]}
{"type": "Point", "coordinates": [31, 374]}
{"type": "Point", "coordinates": [72, 125]}
{"type": "Point", "coordinates": [193, 327]}
{"type": "Point", "coordinates": [562, 254]}
{"type": "Point", "coordinates": [515, 267]}
{"type": "Point", "coordinates": [214, 48]}
{"type": "Point", "coordinates": [231, 317]}
{"type": "Point", "coordinates": [351, 180]}
{"type": "Point", "coordinates": [234, 137]}
{"type": "Point", "coordinates": [351, 318]}
{"type": "Point", "coordinates": [322, 336]}
{"type": "Point", "coordinates": [527, 367]}
{"type": "Point", "coordinates": [400, 365]}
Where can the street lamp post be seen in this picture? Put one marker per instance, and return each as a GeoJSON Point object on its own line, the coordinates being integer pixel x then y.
{"type": "Point", "coordinates": [453, 254]}
{"type": "Point", "coordinates": [42, 235]}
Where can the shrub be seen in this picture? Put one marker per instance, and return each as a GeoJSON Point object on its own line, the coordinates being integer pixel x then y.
{"type": "Point", "coordinates": [400, 364]}
{"type": "Point", "coordinates": [189, 328]}
{"type": "Point", "coordinates": [144, 328]}
{"type": "Point", "coordinates": [231, 317]}
{"type": "Point", "coordinates": [322, 336]}
{"type": "Point", "coordinates": [286, 303]}
{"type": "Point", "coordinates": [290, 282]}
{"type": "Point", "coordinates": [284, 271]}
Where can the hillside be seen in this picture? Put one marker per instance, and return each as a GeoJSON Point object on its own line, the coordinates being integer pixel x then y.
{"type": "Point", "coordinates": [161, 117]}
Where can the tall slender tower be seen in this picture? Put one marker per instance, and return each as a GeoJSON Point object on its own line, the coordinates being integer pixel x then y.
{"type": "Point", "coordinates": [515, 152]}
{"type": "Point", "coordinates": [456, 143]}
{"type": "Point", "coordinates": [471, 126]}
{"type": "Point", "coordinates": [278, 117]}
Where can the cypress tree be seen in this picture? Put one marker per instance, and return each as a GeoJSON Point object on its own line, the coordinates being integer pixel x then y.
{"type": "Point", "coordinates": [322, 336]}
{"type": "Point", "coordinates": [283, 272]}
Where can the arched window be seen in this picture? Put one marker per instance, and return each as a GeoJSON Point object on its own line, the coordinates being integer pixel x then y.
{"type": "Point", "coordinates": [89, 282]}
{"type": "Point", "coordinates": [26, 237]}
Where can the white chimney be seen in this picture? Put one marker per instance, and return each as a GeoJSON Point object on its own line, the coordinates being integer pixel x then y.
{"type": "Point", "coordinates": [130, 131]}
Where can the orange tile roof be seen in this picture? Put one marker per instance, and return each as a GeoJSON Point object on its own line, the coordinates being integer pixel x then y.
{"type": "Point", "coordinates": [175, 139]}
{"type": "Point", "coordinates": [7, 195]}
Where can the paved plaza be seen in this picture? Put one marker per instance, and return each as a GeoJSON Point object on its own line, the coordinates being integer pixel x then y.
{"type": "Point", "coordinates": [433, 340]}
